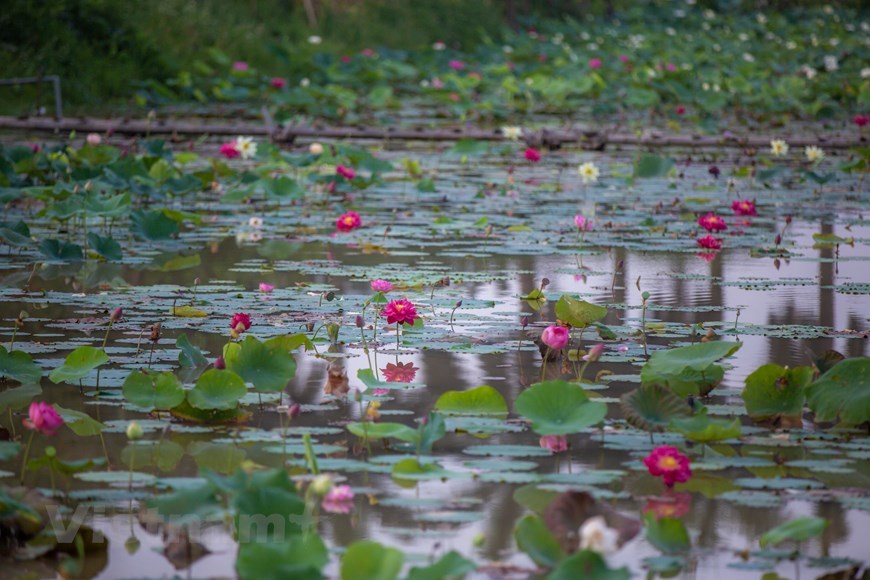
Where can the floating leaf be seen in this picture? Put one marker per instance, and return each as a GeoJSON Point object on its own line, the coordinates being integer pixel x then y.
{"type": "Point", "coordinates": [78, 364]}
{"type": "Point", "coordinates": [703, 429]}
{"type": "Point", "coordinates": [578, 313]}
{"type": "Point", "coordinates": [559, 408]}
{"type": "Point", "coordinates": [153, 391]}
{"type": "Point", "coordinates": [217, 390]}
{"type": "Point", "coordinates": [367, 560]}
{"type": "Point", "coordinates": [652, 166]}
{"type": "Point", "coordinates": [774, 392]}
{"type": "Point", "coordinates": [268, 365]}
{"type": "Point", "coordinates": [383, 431]}
{"type": "Point", "coordinates": [796, 530]}
{"type": "Point", "coordinates": [482, 400]}
{"type": "Point", "coordinates": [652, 407]}
{"type": "Point", "coordinates": [19, 366]}
{"type": "Point", "coordinates": [842, 393]}
{"type": "Point", "coordinates": [688, 370]}
{"type": "Point", "coordinates": [188, 312]}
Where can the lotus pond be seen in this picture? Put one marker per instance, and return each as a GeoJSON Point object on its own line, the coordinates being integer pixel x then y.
{"type": "Point", "coordinates": [212, 340]}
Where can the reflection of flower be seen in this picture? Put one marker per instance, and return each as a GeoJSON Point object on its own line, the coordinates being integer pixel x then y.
{"type": "Point", "coordinates": [400, 372]}
{"type": "Point", "coordinates": [668, 463]}
{"type": "Point", "coordinates": [779, 148]}
{"type": "Point", "coordinates": [43, 418]}
{"type": "Point", "coordinates": [338, 500]}
{"type": "Point", "coordinates": [710, 242]}
{"type": "Point", "coordinates": [743, 207]}
{"type": "Point", "coordinates": [712, 223]}
{"type": "Point", "coordinates": [707, 256]}
{"type": "Point", "coordinates": [532, 155]}
{"type": "Point", "coordinates": [241, 322]}
{"type": "Point", "coordinates": [588, 172]}
{"type": "Point", "coordinates": [556, 337]}
{"type": "Point", "coordinates": [348, 222]}
{"type": "Point", "coordinates": [596, 536]}
{"type": "Point", "coordinates": [381, 285]}
{"type": "Point", "coordinates": [555, 443]}
{"type": "Point", "coordinates": [673, 504]}
{"type": "Point", "coordinates": [400, 312]}
{"type": "Point", "coordinates": [255, 222]}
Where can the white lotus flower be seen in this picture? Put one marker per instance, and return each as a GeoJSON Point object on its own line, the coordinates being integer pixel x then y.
{"type": "Point", "coordinates": [814, 153]}
{"type": "Point", "coordinates": [596, 536]}
{"type": "Point", "coordinates": [512, 133]}
{"type": "Point", "coordinates": [588, 172]}
{"type": "Point", "coordinates": [779, 148]}
{"type": "Point", "coordinates": [246, 147]}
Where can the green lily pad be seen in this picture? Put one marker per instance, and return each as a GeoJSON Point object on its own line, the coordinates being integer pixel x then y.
{"type": "Point", "coordinates": [796, 530]}
{"type": "Point", "coordinates": [217, 390]}
{"type": "Point", "coordinates": [79, 363]}
{"type": "Point", "coordinates": [268, 365]}
{"type": "Point", "coordinates": [667, 534]}
{"type": "Point", "coordinates": [652, 407]}
{"type": "Point", "coordinates": [535, 539]}
{"type": "Point", "coordinates": [482, 400]}
{"type": "Point", "coordinates": [383, 431]}
{"type": "Point", "coordinates": [842, 393]}
{"type": "Point", "coordinates": [578, 313]}
{"type": "Point", "coordinates": [588, 565]}
{"type": "Point", "coordinates": [559, 408]}
{"type": "Point", "coordinates": [688, 370]}
{"type": "Point", "coordinates": [774, 392]}
{"type": "Point", "coordinates": [19, 366]}
{"type": "Point", "coordinates": [371, 561]}
{"type": "Point", "coordinates": [152, 390]}
{"type": "Point", "coordinates": [703, 429]}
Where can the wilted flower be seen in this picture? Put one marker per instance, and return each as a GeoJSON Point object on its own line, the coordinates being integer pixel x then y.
{"type": "Point", "coordinates": [134, 431]}
{"type": "Point", "coordinates": [714, 171]}
{"type": "Point", "coordinates": [596, 536]}
{"type": "Point", "coordinates": [44, 418]}
{"type": "Point", "coordinates": [532, 155]}
{"type": "Point", "coordinates": [294, 410]}
{"type": "Point", "coordinates": [266, 288]}
{"type": "Point", "coordinates": [710, 242]}
{"type": "Point", "coordinates": [743, 207]}
{"type": "Point", "coordinates": [779, 148]}
{"type": "Point", "coordinates": [240, 322]}
{"type": "Point", "coordinates": [588, 172]}
{"type": "Point", "coordinates": [668, 463]}
{"type": "Point", "coordinates": [346, 172]}
{"type": "Point", "coordinates": [229, 150]}
{"type": "Point", "coordinates": [555, 443]}
{"type": "Point", "coordinates": [712, 223]}
{"type": "Point", "coordinates": [315, 149]}
{"type": "Point", "coordinates": [93, 139]}
{"type": "Point", "coordinates": [246, 147]}
{"type": "Point", "coordinates": [556, 337]}
{"type": "Point", "coordinates": [278, 82]}
{"type": "Point", "coordinates": [400, 372]}
{"type": "Point", "coordinates": [347, 222]}
{"type": "Point", "coordinates": [381, 285]}
{"type": "Point", "coordinates": [512, 133]}
{"type": "Point", "coordinates": [814, 154]}
{"type": "Point", "coordinates": [338, 500]}
{"type": "Point", "coordinates": [400, 312]}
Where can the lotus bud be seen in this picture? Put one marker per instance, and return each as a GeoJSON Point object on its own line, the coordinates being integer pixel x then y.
{"type": "Point", "coordinates": [117, 313]}
{"type": "Point", "coordinates": [134, 431]}
{"type": "Point", "coordinates": [360, 322]}
{"type": "Point", "coordinates": [220, 364]}
{"type": "Point", "coordinates": [294, 410]}
{"type": "Point", "coordinates": [321, 484]}
{"type": "Point", "coordinates": [315, 149]}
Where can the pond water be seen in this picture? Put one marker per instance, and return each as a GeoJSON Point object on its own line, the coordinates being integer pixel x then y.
{"type": "Point", "coordinates": [496, 226]}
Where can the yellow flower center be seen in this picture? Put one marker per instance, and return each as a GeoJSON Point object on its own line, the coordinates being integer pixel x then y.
{"type": "Point", "coordinates": [668, 463]}
{"type": "Point", "coordinates": [348, 220]}
{"type": "Point", "coordinates": [400, 307]}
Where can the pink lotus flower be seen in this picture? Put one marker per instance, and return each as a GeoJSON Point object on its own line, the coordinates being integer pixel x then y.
{"type": "Point", "coordinates": [668, 463]}
{"type": "Point", "coordinates": [240, 322]}
{"type": "Point", "coordinates": [712, 223]}
{"type": "Point", "coordinates": [456, 64]}
{"type": "Point", "coordinates": [400, 312]}
{"type": "Point", "coordinates": [381, 285]}
{"type": "Point", "coordinates": [400, 372]}
{"type": "Point", "coordinates": [861, 120]}
{"type": "Point", "coordinates": [556, 337]}
{"type": "Point", "coordinates": [93, 139]}
{"type": "Point", "coordinates": [346, 58]}
{"type": "Point", "coordinates": [229, 150]}
{"type": "Point", "coordinates": [347, 222]}
{"type": "Point", "coordinates": [533, 155]}
{"type": "Point", "coordinates": [266, 288]}
{"type": "Point", "coordinates": [339, 500]}
{"type": "Point", "coordinates": [582, 223]}
{"type": "Point", "coordinates": [278, 82]}
{"type": "Point", "coordinates": [240, 65]}
{"type": "Point", "coordinates": [555, 443]}
{"type": "Point", "coordinates": [680, 110]}
{"type": "Point", "coordinates": [346, 172]}
{"type": "Point", "coordinates": [624, 59]}
{"type": "Point", "coordinates": [595, 63]}
{"type": "Point", "coordinates": [710, 242]}
{"type": "Point", "coordinates": [43, 418]}
{"type": "Point", "coordinates": [437, 83]}
{"type": "Point", "coordinates": [594, 353]}
{"type": "Point", "coordinates": [743, 207]}
{"type": "Point", "coordinates": [368, 52]}
{"type": "Point", "coordinates": [670, 67]}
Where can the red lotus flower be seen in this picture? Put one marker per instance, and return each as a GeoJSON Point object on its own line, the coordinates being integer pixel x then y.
{"type": "Point", "coordinates": [555, 443]}
{"type": "Point", "coordinates": [400, 312]}
{"type": "Point", "coordinates": [533, 155]}
{"type": "Point", "coordinates": [240, 322]}
{"type": "Point", "coordinates": [710, 242]}
{"type": "Point", "coordinates": [668, 463]}
{"type": "Point", "coordinates": [278, 82]}
{"type": "Point", "coordinates": [43, 418]}
{"type": "Point", "coordinates": [712, 223]}
{"type": "Point", "coordinates": [346, 172]}
{"type": "Point", "coordinates": [861, 120]}
{"type": "Point", "coordinates": [400, 372]}
{"type": "Point", "coordinates": [229, 150]}
{"type": "Point", "coordinates": [743, 207]}
{"type": "Point", "coordinates": [680, 110]}
{"type": "Point", "coordinates": [556, 337]}
{"type": "Point", "coordinates": [673, 504]}
{"type": "Point", "coordinates": [347, 222]}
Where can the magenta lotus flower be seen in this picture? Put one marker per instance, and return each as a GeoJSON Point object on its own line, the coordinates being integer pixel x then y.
{"type": "Point", "coordinates": [347, 222]}
{"type": "Point", "coordinates": [456, 64]}
{"type": "Point", "coordinates": [266, 288]}
{"type": "Point", "coordinates": [595, 63]}
{"type": "Point", "coordinates": [743, 207]}
{"type": "Point", "coordinates": [229, 150]}
{"type": "Point", "coordinates": [624, 58]}
{"type": "Point", "coordinates": [556, 337]}
{"type": "Point", "coordinates": [368, 53]}
{"type": "Point", "coordinates": [400, 372]}
{"type": "Point", "coordinates": [240, 322]}
{"type": "Point", "coordinates": [240, 65]}
{"type": "Point", "coordinates": [381, 285]}
{"type": "Point", "coordinates": [671, 67]}
{"type": "Point", "coordinates": [346, 172]}
{"type": "Point", "coordinates": [278, 82]}
{"type": "Point", "coordinates": [555, 443]}
{"type": "Point", "coordinates": [582, 222]}
{"type": "Point", "coordinates": [339, 500]}
{"type": "Point", "coordinates": [712, 223]}
{"type": "Point", "coordinates": [680, 110]}
{"type": "Point", "coordinates": [532, 155]}
{"type": "Point", "coordinates": [861, 120]}
{"type": "Point", "coordinates": [668, 463]}
{"type": "Point", "coordinates": [400, 312]}
{"type": "Point", "coordinates": [42, 417]}
{"type": "Point", "coordinates": [710, 242]}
